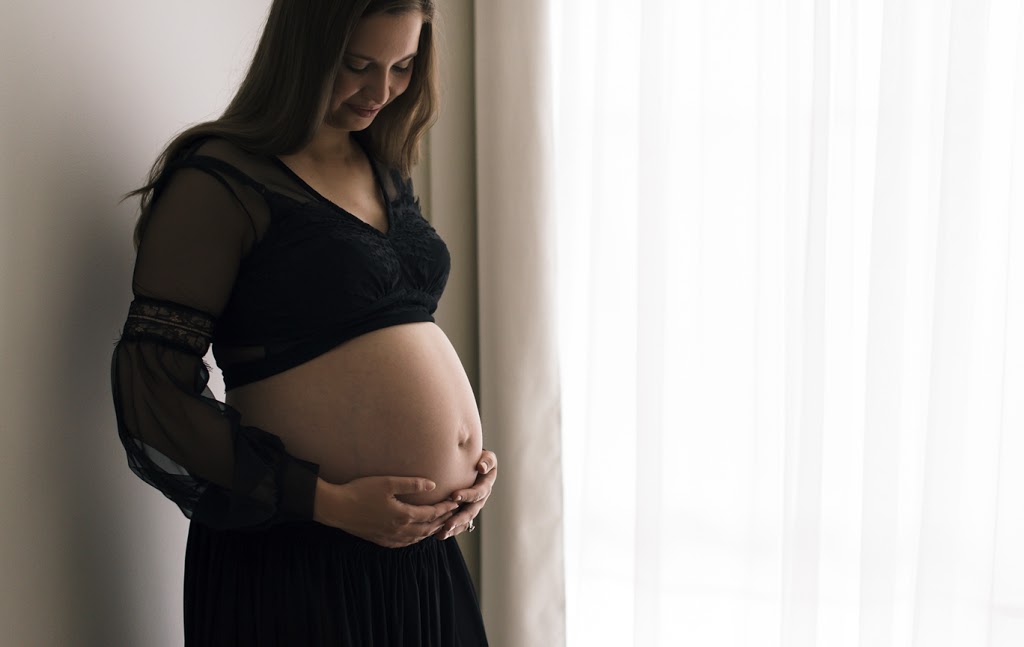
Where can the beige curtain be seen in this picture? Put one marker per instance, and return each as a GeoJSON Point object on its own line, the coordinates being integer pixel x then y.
{"type": "Point", "coordinates": [522, 589]}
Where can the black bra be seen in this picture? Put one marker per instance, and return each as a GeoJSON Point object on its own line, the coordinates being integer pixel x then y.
{"type": "Point", "coordinates": [318, 275]}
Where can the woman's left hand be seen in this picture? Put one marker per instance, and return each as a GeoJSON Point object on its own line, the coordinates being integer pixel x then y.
{"type": "Point", "coordinates": [472, 499]}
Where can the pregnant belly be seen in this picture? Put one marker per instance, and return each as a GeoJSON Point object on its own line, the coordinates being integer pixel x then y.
{"type": "Point", "coordinates": [393, 402]}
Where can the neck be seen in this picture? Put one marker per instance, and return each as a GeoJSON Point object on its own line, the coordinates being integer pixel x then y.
{"type": "Point", "coordinates": [332, 147]}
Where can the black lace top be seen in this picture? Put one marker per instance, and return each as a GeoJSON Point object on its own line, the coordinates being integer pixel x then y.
{"type": "Point", "coordinates": [240, 252]}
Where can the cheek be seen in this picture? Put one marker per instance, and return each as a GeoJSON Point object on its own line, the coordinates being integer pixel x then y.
{"type": "Point", "coordinates": [399, 86]}
{"type": "Point", "coordinates": [343, 89]}
{"type": "Point", "coordinates": [347, 83]}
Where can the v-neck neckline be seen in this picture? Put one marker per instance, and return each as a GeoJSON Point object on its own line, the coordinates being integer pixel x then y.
{"type": "Point", "coordinates": [376, 178]}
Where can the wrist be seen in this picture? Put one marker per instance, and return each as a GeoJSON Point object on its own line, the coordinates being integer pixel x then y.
{"type": "Point", "coordinates": [329, 506]}
{"type": "Point", "coordinates": [320, 500]}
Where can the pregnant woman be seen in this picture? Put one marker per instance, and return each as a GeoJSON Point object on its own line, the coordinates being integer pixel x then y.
{"type": "Point", "coordinates": [324, 492]}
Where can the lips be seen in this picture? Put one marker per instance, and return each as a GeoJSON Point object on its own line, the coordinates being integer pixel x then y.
{"type": "Point", "coordinates": [364, 112]}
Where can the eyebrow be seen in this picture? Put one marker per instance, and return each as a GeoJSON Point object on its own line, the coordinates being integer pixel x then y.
{"type": "Point", "coordinates": [370, 59]}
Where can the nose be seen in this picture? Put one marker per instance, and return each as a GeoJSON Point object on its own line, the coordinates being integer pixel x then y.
{"type": "Point", "coordinates": [377, 89]}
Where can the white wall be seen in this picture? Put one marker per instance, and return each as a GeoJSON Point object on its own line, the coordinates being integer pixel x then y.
{"type": "Point", "coordinates": [91, 90]}
{"type": "Point", "coordinates": [89, 93]}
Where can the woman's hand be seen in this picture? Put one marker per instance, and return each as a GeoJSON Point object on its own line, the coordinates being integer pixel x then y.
{"type": "Point", "coordinates": [471, 499]}
{"type": "Point", "coordinates": [369, 508]}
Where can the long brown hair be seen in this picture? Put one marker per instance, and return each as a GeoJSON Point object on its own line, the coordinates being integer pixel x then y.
{"type": "Point", "coordinates": [284, 96]}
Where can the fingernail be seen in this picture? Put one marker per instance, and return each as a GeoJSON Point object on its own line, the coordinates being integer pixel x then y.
{"type": "Point", "coordinates": [458, 497]}
{"type": "Point", "coordinates": [483, 466]}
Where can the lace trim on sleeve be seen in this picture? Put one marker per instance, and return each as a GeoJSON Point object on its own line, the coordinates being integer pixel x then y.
{"type": "Point", "coordinates": [170, 323]}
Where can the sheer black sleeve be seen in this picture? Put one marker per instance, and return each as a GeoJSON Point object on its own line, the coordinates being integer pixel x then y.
{"type": "Point", "coordinates": [178, 438]}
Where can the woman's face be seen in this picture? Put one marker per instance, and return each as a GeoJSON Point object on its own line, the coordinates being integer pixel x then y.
{"type": "Point", "coordinates": [375, 69]}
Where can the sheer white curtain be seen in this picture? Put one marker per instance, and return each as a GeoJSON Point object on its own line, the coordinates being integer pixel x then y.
{"type": "Point", "coordinates": [791, 306]}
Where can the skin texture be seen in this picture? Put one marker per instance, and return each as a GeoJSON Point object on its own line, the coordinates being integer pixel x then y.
{"type": "Point", "coordinates": [389, 416]}
{"type": "Point", "coordinates": [395, 401]}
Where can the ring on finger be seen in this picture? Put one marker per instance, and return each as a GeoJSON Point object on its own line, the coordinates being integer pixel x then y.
{"type": "Point", "coordinates": [472, 526]}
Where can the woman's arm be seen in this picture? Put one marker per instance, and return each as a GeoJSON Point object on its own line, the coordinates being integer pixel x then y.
{"type": "Point", "coordinates": [177, 436]}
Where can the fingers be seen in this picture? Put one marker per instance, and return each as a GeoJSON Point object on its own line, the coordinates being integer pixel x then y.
{"type": "Point", "coordinates": [488, 461]}
{"type": "Point", "coordinates": [374, 512]}
{"type": "Point", "coordinates": [424, 530]}
{"type": "Point", "coordinates": [457, 525]}
{"type": "Point", "coordinates": [410, 484]}
{"type": "Point", "coordinates": [473, 498]}
{"type": "Point", "coordinates": [461, 518]}
{"type": "Point", "coordinates": [424, 513]}
{"type": "Point", "coordinates": [446, 526]}
{"type": "Point", "coordinates": [488, 468]}
{"type": "Point", "coordinates": [471, 495]}
{"type": "Point", "coordinates": [480, 490]}
{"type": "Point", "coordinates": [407, 534]}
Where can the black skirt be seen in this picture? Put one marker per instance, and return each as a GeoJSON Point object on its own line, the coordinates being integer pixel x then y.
{"type": "Point", "coordinates": [307, 584]}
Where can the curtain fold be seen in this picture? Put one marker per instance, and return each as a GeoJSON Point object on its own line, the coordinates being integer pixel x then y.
{"type": "Point", "coordinates": [522, 574]}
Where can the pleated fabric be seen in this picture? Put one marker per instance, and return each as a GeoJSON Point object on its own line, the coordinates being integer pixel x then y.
{"type": "Point", "coordinates": [308, 584]}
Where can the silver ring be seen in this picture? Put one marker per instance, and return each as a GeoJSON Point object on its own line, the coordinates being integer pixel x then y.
{"type": "Point", "coordinates": [472, 526]}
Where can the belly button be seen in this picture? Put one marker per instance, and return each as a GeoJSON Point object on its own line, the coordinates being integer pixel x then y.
{"type": "Point", "coordinates": [464, 436]}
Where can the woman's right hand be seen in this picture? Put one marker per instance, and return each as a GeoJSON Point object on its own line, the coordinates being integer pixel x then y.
{"type": "Point", "coordinates": [369, 508]}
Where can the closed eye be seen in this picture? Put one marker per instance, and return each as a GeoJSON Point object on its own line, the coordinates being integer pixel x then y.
{"type": "Point", "coordinates": [400, 70]}
{"type": "Point", "coordinates": [404, 68]}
